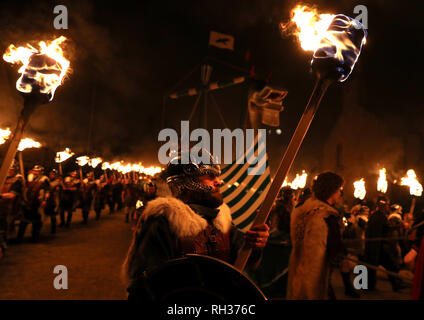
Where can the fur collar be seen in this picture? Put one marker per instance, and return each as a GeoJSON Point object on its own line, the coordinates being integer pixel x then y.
{"type": "Point", "coordinates": [184, 222]}
{"type": "Point", "coordinates": [315, 204]}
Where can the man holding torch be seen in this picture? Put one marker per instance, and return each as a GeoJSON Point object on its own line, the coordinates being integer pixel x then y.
{"type": "Point", "coordinates": [11, 198]}
{"type": "Point", "coordinates": [36, 192]}
{"type": "Point", "coordinates": [193, 221]}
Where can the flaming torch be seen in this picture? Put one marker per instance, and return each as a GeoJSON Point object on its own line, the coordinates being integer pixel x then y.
{"type": "Point", "coordinates": [415, 188]}
{"type": "Point", "coordinates": [336, 42]}
{"type": "Point", "coordinates": [360, 190]}
{"type": "Point", "coordinates": [105, 166]}
{"type": "Point", "coordinates": [62, 156]}
{"type": "Point", "coordinates": [82, 161]}
{"type": "Point", "coordinates": [26, 143]}
{"type": "Point", "coordinates": [4, 135]}
{"type": "Point", "coordinates": [299, 181]}
{"type": "Point", "coordinates": [42, 71]}
{"type": "Point", "coordinates": [382, 181]}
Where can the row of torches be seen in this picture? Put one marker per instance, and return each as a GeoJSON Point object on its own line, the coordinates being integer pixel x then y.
{"type": "Point", "coordinates": [119, 166]}
{"type": "Point", "coordinates": [410, 180]}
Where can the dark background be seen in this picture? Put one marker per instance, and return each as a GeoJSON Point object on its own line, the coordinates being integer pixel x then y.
{"type": "Point", "coordinates": [125, 56]}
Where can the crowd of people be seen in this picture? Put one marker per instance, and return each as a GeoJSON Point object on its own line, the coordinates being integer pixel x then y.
{"type": "Point", "coordinates": [24, 200]}
{"type": "Point", "coordinates": [372, 233]}
{"type": "Point", "coordinates": [310, 234]}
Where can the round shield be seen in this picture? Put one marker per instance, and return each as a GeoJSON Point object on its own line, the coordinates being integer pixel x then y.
{"type": "Point", "coordinates": [196, 278]}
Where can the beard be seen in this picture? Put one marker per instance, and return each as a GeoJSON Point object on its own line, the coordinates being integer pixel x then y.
{"type": "Point", "coordinates": [208, 199]}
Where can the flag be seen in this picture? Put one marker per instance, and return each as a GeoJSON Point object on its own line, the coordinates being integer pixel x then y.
{"type": "Point", "coordinates": [244, 193]}
{"type": "Point", "coordinates": [220, 40]}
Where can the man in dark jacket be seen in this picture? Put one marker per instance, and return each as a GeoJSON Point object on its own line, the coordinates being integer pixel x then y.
{"type": "Point", "coordinates": [381, 252]}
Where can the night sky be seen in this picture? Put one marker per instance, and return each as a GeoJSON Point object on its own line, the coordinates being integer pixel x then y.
{"type": "Point", "coordinates": [125, 56]}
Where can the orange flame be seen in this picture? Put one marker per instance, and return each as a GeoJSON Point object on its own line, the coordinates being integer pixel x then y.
{"type": "Point", "coordinates": [299, 182]}
{"type": "Point", "coordinates": [360, 190]}
{"type": "Point", "coordinates": [44, 68]}
{"type": "Point", "coordinates": [415, 188]}
{"type": "Point", "coordinates": [4, 135]}
{"type": "Point", "coordinates": [63, 155]}
{"type": "Point", "coordinates": [28, 143]}
{"type": "Point", "coordinates": [106, 165]}
{"type": "Point", "coordinates": [309, 26]}
{"type": "Point", "coordinates": [82, 161]}
{"type": "Point", "coordinates": [94, 162]}
{"type": "Point", "coordinates": [382, 181]}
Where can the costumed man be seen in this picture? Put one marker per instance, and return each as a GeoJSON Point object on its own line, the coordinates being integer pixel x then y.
{"type": "Point", "coordinates": [88, 189]}
{"type": "Point", "coordinates": [108, 190]}
{"type": "Point", "coordinates": [316, 241]}
{"type": "Point", "coordinates": [130, 199]}
{"type": "Point", "coordinates": [36, 191]}
{"type": "Point", "coordinates": [382, 252]}
{"type": "Point", "coordinates": [194, 220]}
{"type": "Point", "coordinates": [53, 198]}
{"type": "Point", "coordinates": [271, 274]}
{"type": "Point", "coordinates": [117, 194]}
{"type": "Point", "coordinates": [99, 197]}
{"type": "Point", "coordinates": [69, 201]}
{"type": "Point", "coordinates": [10, 204]}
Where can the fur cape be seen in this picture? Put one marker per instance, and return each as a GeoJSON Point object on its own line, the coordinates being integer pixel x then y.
{"type": "Point", "coordinates": [309, 270]}
{"type": "Point", "coordinates": [183, 221]}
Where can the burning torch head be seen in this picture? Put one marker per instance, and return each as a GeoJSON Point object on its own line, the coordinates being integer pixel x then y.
{"type": "Point", "coordinates": [339, 49]}
{"type": "Point", "coordinates": [32, 83]}
{"type": "Point", "coordinates": [42, 69]}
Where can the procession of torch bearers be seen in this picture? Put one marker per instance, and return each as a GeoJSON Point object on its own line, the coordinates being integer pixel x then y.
{"type": "Point", "coordinates": [24, 197]}
{"type": "Point", "coordinates": [28, 196]}
{"type": "Point", "coordinates": [336, 42]}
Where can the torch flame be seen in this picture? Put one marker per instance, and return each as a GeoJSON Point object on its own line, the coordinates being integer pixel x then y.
{"type": "Point", "coordinates": [4, 135]}
{"type": "Point", "coordinates": [309, 26]}
{"type": "Point", "coordinates": [415, 188]}
{"type": "Point", "coordinates": [63, 155]}
{"type": "Point", "coordinates": [82, 161]}
{"type": "Point", "coordinates": [139, 204]}
{"type": "Point", "coordinates": [94, 162]}
{"type": "Point", "coordinates": [151, 171]}
{"type": "Point", "coordinates": [299, 182]}
{"type": "Point", "coordinates": [360, 190]}
{"type": "Point", "coordinates": [106, 165]}
{"type": "Point", "coordinates": [331, 37]}
{"type": "Point", "coordinates": [43, 68]}
{"type": "Point", "coordinates": [28, 143]}
{"type": "Point", "coordinates": [382, 181]}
